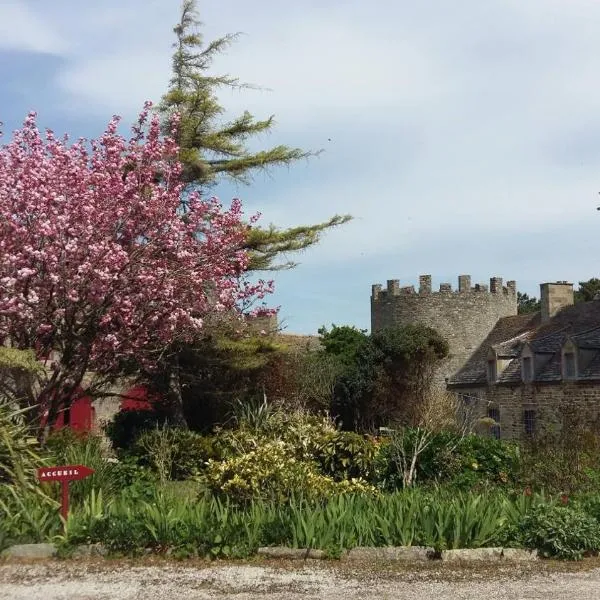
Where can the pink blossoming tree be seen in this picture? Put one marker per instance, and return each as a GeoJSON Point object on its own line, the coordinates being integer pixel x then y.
{"type": "Point", "coordinates": [99, 269]}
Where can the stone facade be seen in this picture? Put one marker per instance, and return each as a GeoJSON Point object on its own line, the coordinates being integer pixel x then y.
{"type": "Point", "coordinates": [464, 317]}
{"type": "Point", "coordinates": [517, 375]}
{"type": "Point", "coordinates": [526, 410]}
{"type": "Point", "coordinates": [536, 374]}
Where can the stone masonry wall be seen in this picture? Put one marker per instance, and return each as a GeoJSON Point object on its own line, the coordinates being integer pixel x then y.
{"type": "Point", "coordinates": [551, 402]}
{"type": "Point", "coordinates": [464, 317]}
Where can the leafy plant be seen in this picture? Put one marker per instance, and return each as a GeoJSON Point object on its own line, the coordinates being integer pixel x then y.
{"type": "Point", "coordinates": [20, 454]}
{"type": "Point", "coordinates": [75, 448]}
{"type": "Point", "coordinates": [174, 453]}
{"type": "Point", "coordinates": [559, 531]}
{"type": "Point", "coordinates": [346, 455]}
{"type": "Point", "coordinates": [271, 471]}
{"type": "Point", "coordinates": [127, 425]}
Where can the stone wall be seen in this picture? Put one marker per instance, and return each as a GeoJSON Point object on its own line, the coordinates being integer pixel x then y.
{"type": "Point", "coordinates": [464, 317]}
{"type": "Point", "coordinates": [551, 403]}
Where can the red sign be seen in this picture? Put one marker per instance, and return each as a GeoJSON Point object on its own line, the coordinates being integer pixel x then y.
{"type": "Point", "coordinates": [67, 473]}
{"type": "Point", "coordinates": [64, 475]}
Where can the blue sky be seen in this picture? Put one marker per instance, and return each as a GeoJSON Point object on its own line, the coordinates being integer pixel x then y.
{"type": "Point", "coordinates": [463, 136]}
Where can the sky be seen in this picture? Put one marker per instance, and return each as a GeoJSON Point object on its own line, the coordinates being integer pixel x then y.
{"type": "Point", "coordinates": [463, 137]}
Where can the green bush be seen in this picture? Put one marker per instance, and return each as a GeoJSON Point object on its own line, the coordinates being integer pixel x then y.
{"type": "Point", "coordinates": [27, 516]}
{"type": "Point", "coordinates": [127, 425]}
{"type": "Point", "coordinates": [559, 531]}
{"type": "Point", "coordinates": [271, 471]}
{"type": "Point", "coordinates": [174, 453]}
{"type": "Point", "coordinates": [346, 455]}
{"type": "Point", "coordinates": [20, 453]}
{"type": "Point", "coordinates": [465, 462]}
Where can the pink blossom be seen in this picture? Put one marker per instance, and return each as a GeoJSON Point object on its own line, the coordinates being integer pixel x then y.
{"type": "Point", "coordinates": [96, 262]}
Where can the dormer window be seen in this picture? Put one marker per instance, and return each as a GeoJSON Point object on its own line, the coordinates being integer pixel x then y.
{"type": "Point", "coordinates": [492, 370]}
{"type": "Point", "coordinates": [527, 369]}
{"type": "Point", "coordinates": [569, 365]}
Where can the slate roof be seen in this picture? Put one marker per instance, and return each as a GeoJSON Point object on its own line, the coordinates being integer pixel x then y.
{"type": "Point", "coordinates": [579, 323]}
{"type": "Point", "coordinates": [505, 330]}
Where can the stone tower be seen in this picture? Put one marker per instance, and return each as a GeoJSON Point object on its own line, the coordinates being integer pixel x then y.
{"type": "Point", "coordinates": [464, 317]}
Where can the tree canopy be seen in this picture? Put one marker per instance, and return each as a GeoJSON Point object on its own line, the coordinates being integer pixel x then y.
{"type": "Point", "coordinates": [211, 148]}
{"type": "Point", "coordinates": [387, 374]}
{"type": "Point", "coordinates": [526, 305]}
{"type": "Point", "coordinates": [99, 270]}
{"type": "Point", "coordinates": [587, 290]}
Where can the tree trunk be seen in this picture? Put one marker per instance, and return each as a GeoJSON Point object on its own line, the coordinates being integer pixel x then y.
{"type": "Point", "coordinates": [177, 414]}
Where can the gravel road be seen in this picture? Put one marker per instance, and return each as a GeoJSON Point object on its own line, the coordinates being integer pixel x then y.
{"type": "Point", "coordinates": [172, 581]}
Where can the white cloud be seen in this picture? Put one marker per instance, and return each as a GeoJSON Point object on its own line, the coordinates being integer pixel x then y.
{"type": "Point", "coordinates": [22, 29]}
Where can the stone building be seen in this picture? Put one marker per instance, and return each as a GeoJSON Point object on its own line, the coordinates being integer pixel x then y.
{"type": "Point", "coordinates": [464, 316]}
{"type": "Point", "coordinates": [533, 373]}
{"type": "Point", "coordinates": [526, 373]}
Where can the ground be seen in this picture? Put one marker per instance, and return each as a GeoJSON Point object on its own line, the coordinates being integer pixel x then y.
{"type": "Point", "coordinates": [163, 580]}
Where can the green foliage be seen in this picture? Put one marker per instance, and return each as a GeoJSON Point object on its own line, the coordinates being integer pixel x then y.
{"type": "Point", "coordinates": [270, 472]}
{"type": "Point", "coordinates": [346, 455]}
{"type": "Point", "coordinates": [587, 290]}
{"type": "Point", "coordinates": [343, 342]}
{"type": "Point", "coordinates": [527, 305]}
{"type": "Point", "coordinates": [20, 454]}
{"type": "Point", "coordinates": [449, 458]}
{"type": "Point", "coordinates": [174, 453]}
{"type": "Point", "coordinates": [559, 531]}
{"type": "Point", "coordinates": [21, 360]}
{"type": "Point", "coordinates": [127, 425]}
{"type": "Point", "coordinates": [217, 526]}
{"type": "Point", "coordinates": [389, 377]}
{"type": "Point", "coordinates": [211, 149]}
{"type": "Point", "coordinates": [28, 516]}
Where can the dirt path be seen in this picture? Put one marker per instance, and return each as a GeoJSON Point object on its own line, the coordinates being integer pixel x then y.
{"type": "Point", "coordinates": [330, 581]}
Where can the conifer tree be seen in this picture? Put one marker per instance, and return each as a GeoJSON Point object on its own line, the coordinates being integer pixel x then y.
{"type": "Point", "coordinates": [211, 149]}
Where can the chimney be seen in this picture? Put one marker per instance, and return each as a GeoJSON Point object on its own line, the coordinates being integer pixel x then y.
{"type": "Point", "coordinates": [554, 297]}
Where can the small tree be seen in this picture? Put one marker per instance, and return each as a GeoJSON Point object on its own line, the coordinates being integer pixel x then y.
{"type": "Point", "coordinates": [438, 411]}
{"type": "Point", "coordinates": [388, 377]}
{"type": "Point", "coordinates": [99, 271]}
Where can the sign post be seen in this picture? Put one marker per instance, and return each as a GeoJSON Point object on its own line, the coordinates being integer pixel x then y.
{"type": "Point", "coordinates": [64, 474]}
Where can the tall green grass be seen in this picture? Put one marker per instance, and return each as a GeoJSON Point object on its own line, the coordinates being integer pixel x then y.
{"type": "Point", "coordinates": [212, 526]}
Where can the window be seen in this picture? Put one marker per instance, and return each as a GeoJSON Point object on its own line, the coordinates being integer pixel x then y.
{"type": "Point", "coordinates": [529, 421]}
{"type": "Point", "coordinates": [491, 371]}
{"type": "Point", "coordinates": [569, 365]}
{"type": "Point", "coordinates": [494, 414]}
{"type": "Point", "coordinates": [527, 366]}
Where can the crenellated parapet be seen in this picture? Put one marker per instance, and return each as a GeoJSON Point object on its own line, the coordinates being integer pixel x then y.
{"type": "Point", "coordinates": [393, 288]}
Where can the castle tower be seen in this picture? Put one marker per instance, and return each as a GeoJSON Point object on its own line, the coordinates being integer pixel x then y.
{"type": "Point", "coordinates": [464, 317]}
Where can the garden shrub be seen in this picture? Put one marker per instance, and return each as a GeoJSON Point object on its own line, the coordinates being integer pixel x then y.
{"type": "Point", "coordinates": [559, 531]}
{"type": "Point", "coordinates": [271, 471]}
{"type": "Point", "coordinates": [346, 455]}
{"type": "Point", "coordinates": [128, 424]}
{"type": "Point", "coordinates": [174, 453]}
{"type": "Point", "coordinates": [464, 462]}
{"type": "Point", "coordinates": [20, 453]}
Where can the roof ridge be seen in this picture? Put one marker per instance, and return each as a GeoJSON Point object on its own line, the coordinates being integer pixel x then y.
{"type": "Point", "coordinates": [584, 332]}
